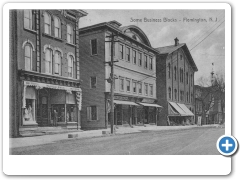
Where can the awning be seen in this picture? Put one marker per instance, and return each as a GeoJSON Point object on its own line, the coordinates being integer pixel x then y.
{"type": "Point", "coordinates": [188, 112]}
{"type": "Point", "coordinates": [125, 102]}
{"type": "Point", "coordinates": [178, 108]}
{"type": "Point", "coordinates": [151, 105]}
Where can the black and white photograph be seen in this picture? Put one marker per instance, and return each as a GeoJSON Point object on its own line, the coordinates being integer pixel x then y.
{"type": "Point", "coordinates": [140, 81]}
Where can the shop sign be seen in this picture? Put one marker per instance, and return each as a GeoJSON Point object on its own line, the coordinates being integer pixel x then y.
{"type": "Point", "coordinates": [148, 101]}
{"type": "Point", "coordinates": [121, 98]}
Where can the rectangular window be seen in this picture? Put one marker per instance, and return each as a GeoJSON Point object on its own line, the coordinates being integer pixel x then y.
{"type": "Point", "coordinates": [140, 59]}
{"type": "Point", "coordinates": [146, 89]}
{"type": "Point", "coordinates": [94, 47]}
{"type": "Point", "coordinates": [121, 84]}
{"type": "Point", "coordinates": [121, 51]}
{"type": "Point", "coordinates": [92, 113]}
{"type": "Point", "coordinates": [69, 34]}
{"type": "Point", "coordinates": [128, 85]}
{"type": "Point", "coordinates": [134, 57]}
{"type": "Point", "coordinates": [140, 88]}
{"type": "Point", "coordinates": [151, 63]}
{"type": "Point", "coordinates": [28, 19]}
{"type": "Point", "coordinates": [151, 90]}
{"type": "Point", "coordinates": [93, 82]}
{"type": "Point", "coordinates": [134, 87]}
{"type": "Point", "coordinates": [48, 61]}
{"type": "Point", "coordinates": [128, 54]}
{"type": "Point", "coordinates": [145, 62]}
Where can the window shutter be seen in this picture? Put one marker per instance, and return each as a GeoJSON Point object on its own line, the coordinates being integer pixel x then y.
{"type": "Point", "coordinates": [88, 113]}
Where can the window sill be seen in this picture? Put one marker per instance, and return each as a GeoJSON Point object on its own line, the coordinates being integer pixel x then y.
{"type": "Point", "coordinates": [70, 44]}
{"type": "Point", "coordinates": [92, 120]}
{"type": "Point", "coordinates": [92, 55]}
{"type": "Point", "coordinates": [30, 30]}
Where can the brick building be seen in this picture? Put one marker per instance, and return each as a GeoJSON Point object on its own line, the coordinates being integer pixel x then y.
{"type": "Point", "coordinates": [175, 70]}
{"type": "Point", "coordinates": [45, 71]}
{"type": "Point", "coordinates": [134, 72]}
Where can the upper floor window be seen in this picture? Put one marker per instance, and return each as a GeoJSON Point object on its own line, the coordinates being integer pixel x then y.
{"type": "Point", "coordinates": [57, 62]}
{"type": "Point", "coordinates": [57, 27]}
{"type": "Point", "coordinates": [69, 34]}
{"type": "Point", "coordinates": [134, 87]}
{"type": "Point", "coordinates": [145, 62]}
{"type": "Point", "coordinates": [169, 70]}
{"type": "Point", "coordinates": [151, 90]}
{"type": "Point", "coordinates": [187, 77]}
{"type": "Point", "coordinates": [93, 82]}
{"type": "Point", "coordinates": [28, 56]}
{"type": "Point", "coordinates": [191, 97]}
{"type": "Point", "coordinates": [140, 88]}
{"type": "Point", "coordinates": [94, 49]}
{"type": "Point", "coordinates": [146, 89]}
{"type": "Point", "coordinates": [128, 85]}
{"type": "Point", "coordinates": [47, 23]}
{"type": "Point", "coordinates": [169, 93]}
{"type": "Point", "coordinates": [175, 73]}
{"type": "Point", "coordinates": [28, 19]}
{"type": "Point", "coordinates": [71, 66]}
{"type": "Point", "coordinates": [128, 54]}
{"type": "Point", "coordinates": [121, 51]}
{"type": "Point", "coordinates": [187, 97]}
{"type": "Point", "coordinates": [134, 57]}
{"type": "Point", "coordinates": [175, 94]}
{"type": "Point", "coordinates": [121, 84]}
{"type": "Point", "coordinates": [151, 63]}
{"type": "Point", "coordinates": [140, 59]}
{"type": "Point", "coordinates": [48, 61]}
{"type": "Point", "coordinates": [181, 57]}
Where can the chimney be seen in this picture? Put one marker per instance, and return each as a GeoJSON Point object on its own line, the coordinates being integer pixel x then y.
{"type": "Point", "coordinates": [176, 41]}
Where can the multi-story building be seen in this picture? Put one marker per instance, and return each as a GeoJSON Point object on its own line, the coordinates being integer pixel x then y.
{"type": "Point", "coordinates": [175, 70]}
{"type": "Point", "coordinates": [134, 72]}
{"type": "Point", "coordinates": [45, 47]}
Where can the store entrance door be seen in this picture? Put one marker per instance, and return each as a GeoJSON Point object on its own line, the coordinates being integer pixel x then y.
{"type": "Point", "coordinates": [44, 111]}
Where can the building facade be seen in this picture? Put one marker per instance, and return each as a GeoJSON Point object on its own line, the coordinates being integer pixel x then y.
{"type": "Point", "coordinates": [134, 76]}
{"type": "Point", "coordinates": [175, 70]}
{"type": "Point", "coordinates": [46, 52]}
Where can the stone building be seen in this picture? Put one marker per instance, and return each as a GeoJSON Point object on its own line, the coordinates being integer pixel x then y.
{"type": "Point", "coordinates": [45, 71]}
{"type": "Point", "coordinates": [134, 71]}
{"type": "Point", "coordinates": [175, 70]}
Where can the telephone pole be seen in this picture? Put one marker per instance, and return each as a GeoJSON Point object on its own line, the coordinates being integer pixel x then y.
{"type": "Point", "coordinates": [112, 80]}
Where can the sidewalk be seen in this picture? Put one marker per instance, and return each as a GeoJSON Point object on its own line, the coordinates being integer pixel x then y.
{"type": "Point", "coordinates": [47, 139]}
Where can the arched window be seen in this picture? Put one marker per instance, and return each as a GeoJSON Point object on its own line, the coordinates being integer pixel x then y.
{"type": "Point", "coordinates": [57, 27]}
{"type": "Point", "coordinates": [175, 73]}
{"type": "Point", "coordinates": [71, 66]}
{"type": "Point", "coordinates": [47, 23]}
{"type": "Point", "coordinates": [175, 94]}
{"type": "Point", "coordinates": [169, 93]}
{"type": "Point", "coordinates": [57, 63]}
{"type": "Point", "coordinates": [69, 34]}
{"type": "Point", "coordinates": [48, 61]}
{"type": "Point", "coordinates": [169, 70]}
{"type": "Point", "coordinates": [28, 56]}
{"type": "Point", "coordinates": [28, 19]}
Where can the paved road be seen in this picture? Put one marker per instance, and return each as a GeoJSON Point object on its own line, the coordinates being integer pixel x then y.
{"type": "Point", "coordinates": [195, 141]}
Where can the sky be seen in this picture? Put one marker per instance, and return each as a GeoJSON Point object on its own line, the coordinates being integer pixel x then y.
{"type": "Point", "coordinates": [212, 33]}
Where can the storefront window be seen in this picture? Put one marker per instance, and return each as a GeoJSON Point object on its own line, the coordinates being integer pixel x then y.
{"type": "Point", "coordinates": [29, 111]}
{"type": "Point", "coordinates": [71, 113]}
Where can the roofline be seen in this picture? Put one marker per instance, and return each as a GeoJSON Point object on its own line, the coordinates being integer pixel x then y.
{"type": "Point", "coordinates": [183, 45]}
{"type": "Point", "coordinates": [107, 25]}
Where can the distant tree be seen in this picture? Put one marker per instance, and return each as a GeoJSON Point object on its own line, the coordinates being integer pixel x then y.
{"type": "Point", "coordinates": [210, 88]}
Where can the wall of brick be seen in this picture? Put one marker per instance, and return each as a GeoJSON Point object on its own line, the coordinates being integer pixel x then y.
{"type": "Point", "coordinates": [92, 65]}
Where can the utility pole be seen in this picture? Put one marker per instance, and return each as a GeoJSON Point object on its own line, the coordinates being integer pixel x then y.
{"type": "Point", "coordinates": [112, 80]}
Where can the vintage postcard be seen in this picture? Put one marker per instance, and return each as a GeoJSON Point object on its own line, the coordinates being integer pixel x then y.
{"type": "Point", "coordinates": [144, 83]}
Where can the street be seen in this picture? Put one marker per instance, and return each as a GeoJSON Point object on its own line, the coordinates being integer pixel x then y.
{"type": "Point", "coordinates": [195, 141]}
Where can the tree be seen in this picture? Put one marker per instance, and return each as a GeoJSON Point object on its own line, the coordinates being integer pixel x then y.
{"type": "Point", "coordinates": [211, 89]}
